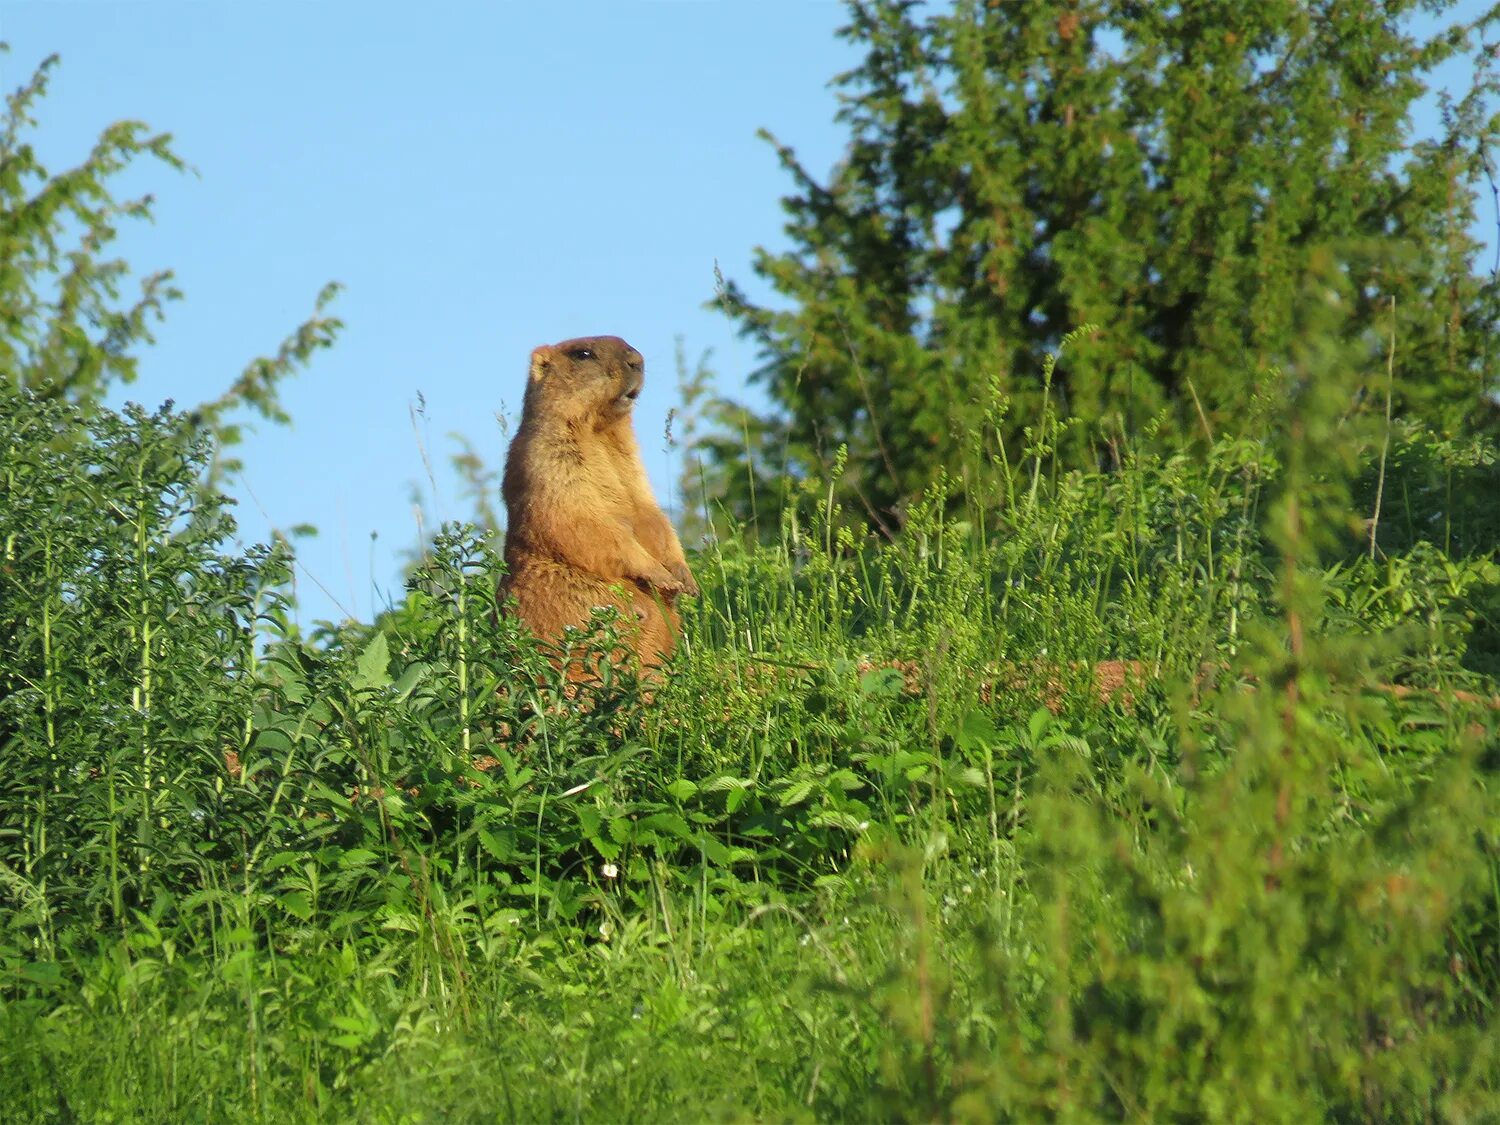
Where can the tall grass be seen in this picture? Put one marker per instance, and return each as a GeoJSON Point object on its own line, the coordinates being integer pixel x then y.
{"type": "Point", "coordinates": [880, 846]}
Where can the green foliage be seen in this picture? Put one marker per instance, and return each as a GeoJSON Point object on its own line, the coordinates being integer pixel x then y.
{"type": "Point", "coordinates": [841, 863]}
{"type": "Point", "coordinates": [1157, 790]}
{"type": "Point", "coordinates": [1169, 173]}
{"type": "Point", "coordinates": [114, 600]}
{"type": "Point", "coordinates": [66, 331]}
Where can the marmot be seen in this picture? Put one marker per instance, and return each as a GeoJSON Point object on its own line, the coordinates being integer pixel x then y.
{"type": "Point", "coordinates": [584, 529]}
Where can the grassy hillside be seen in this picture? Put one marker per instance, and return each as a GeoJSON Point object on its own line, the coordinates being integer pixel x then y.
{"type": "Point", "coordinates": [1167, 791]}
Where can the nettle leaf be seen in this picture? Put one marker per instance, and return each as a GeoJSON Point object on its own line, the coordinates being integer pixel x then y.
{"type": "Point", "coordinates": [882, 683]}
{"type": "Point", "coordinates": [372, 671]}
{"type": "Point", "coordinates": [977, 731]}
{"type": "Point", "coordinates": [275, 741]}
{"type": "Point", "coordinates": [500, 843]}
{"type": "Point", "coordinates": [971, 775]}
{"type": "Point", "coordinates": [410, 679]}
{"type": "Point", "coordinates": [836, 818]}
{"type": "Point", "coordinates": [608, 849]}
{"type": "Point", "coordinates": [722, 853]}
{"type": "Point", "coordinates": [401, 921]}
{"type": "Point", "coordinates": [719, 784]}
{"type": "Point", "coordinates": [847, 780]}
{"type": "Point", "coordinates": [795, 793]}
{"type": "Point", "coordinates": [667, 822]}
{"type": "Point", "coordinates": [287, 677]}
{"type": "Point", "coordinates": [1037, 725]}
{"type": "Point", "coordinates": [281, 859]}
{"type": "Point", "coordinates": [1071, 742]}
{"type": "Point", "coordinates": [682, 789]}
{"type": "Point", "coordinates": [346, 919]}
{"type": "Point", "coordinates": [589, 820]}
{"type": "Point", "coordinates": [46, 973]}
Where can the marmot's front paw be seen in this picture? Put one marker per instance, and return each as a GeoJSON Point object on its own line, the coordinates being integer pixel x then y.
{"type": "Point", "coordinates": [663, 582]}
{"type": "Point", "coordinates": [683, 575]}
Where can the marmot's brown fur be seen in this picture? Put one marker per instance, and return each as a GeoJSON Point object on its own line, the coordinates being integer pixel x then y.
{"type": "Point", "coordinates": [584, 529]}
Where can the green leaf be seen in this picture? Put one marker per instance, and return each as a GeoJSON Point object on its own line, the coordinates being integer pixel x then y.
{"type": "Point", "coordinates": [882, 683]}
{"type": "Point", "coordinates": [272, 741]}
{"type": "Point", "coordinates": [277, 860]}
{"type": "Point", "coordinates": [667, 822]}
{"type": "Point", "coordinates": [722, 854]}
{"type": "Point", "coordinates": [372, 671]}
{"type": "Point", "coordinates": [725, 781]}
{"type": "Point", "coordinates": [977, 731]}
{"type": "Point", "coordinates": [848, 780]}
{"type": "Point", "coordinates": [795, 793]}
{"type": "Point", "coordinates": [589, 820]}
{"type": "Point", "coordinates": [500, 843]}
{"type": "Point", "coordinates": [835, 818]}
{"type": "Point", "coordinates": [49, 974]}
{"type": "Point", "coordinates": [608, 849]}
{"type": "Point", "coordinates": [1037, 725]}
{"type": "Point", "coordinates": [411, 678]}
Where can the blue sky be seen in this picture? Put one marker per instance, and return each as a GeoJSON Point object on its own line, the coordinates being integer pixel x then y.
{"type": "Point", "coordinates": [482, 178]}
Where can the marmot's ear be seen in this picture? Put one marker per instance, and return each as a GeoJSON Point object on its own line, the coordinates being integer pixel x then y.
{"type": "Point", "coordinates": [541, 363]}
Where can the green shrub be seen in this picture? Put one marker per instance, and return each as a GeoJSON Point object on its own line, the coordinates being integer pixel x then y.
{"type": "Point", "coordinates": [876, 846]}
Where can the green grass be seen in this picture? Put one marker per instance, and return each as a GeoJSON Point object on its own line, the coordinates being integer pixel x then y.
{"type": "Point", "coordinates": [874, 849]}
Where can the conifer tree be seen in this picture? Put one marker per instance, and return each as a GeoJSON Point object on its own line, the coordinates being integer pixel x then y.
{"type": "Point", "coordinates": [1166, 172]}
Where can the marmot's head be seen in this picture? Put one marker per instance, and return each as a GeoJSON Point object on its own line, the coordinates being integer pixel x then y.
{"type": "Point", "coordinates": [592, 377]}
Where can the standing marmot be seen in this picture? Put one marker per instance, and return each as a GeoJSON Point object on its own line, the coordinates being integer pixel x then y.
{"type": "Point", "coordinates": [584, 529]}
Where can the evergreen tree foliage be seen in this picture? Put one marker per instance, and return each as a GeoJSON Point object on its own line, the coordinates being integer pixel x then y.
{"type": "Point", "coordinates": [1171, 173]}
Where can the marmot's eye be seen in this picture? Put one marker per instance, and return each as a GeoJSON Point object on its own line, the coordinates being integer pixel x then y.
{"type": "Point", "coordinates": [581, 353]}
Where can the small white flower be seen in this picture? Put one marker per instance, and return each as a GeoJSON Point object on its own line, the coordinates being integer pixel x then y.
{"type": "Point", "coordinates": [610, 871]}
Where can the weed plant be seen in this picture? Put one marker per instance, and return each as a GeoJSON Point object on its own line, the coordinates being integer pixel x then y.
{"type": "Point", "coordinates": [882, 844]}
